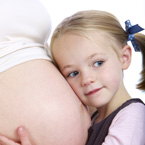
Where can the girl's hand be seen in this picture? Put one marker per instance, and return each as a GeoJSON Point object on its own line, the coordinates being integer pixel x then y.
{"type": "Point", "coordinates": [22, 135]}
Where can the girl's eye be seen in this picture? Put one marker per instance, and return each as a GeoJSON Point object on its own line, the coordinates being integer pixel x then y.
{"type": "Point", "coordinates": [98, 63]}
{"type": "Point", "coordinates": [73, 74]}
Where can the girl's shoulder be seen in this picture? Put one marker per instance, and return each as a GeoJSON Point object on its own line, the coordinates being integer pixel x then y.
{"type": "Point", "coordinates": [132, 106]}
{"type": "Point", "coordinates": [131, 113]}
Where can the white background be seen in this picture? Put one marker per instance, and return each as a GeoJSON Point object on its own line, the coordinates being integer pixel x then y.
{"type": "Point", "coordinates": [123, 10]}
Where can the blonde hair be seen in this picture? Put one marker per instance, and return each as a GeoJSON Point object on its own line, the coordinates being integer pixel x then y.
{"type": "Point", "coordinates": [96, 21]}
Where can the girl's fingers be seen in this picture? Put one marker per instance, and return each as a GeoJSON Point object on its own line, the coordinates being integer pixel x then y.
{"type": "Point", "coordinates": [5, 141]}
{"type": "Point", "coordinates": [23, 136]}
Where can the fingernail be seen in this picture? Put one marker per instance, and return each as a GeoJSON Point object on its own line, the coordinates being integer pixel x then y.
{"type": "Point", "coordinates": [20, 129]}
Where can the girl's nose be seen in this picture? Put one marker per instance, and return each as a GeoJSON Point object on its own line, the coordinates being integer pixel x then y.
{"type": "Point", "coordinates": [88, 78]}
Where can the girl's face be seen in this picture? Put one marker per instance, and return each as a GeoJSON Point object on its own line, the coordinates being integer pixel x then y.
{"type": "Point", "coordinates": [91, 67]}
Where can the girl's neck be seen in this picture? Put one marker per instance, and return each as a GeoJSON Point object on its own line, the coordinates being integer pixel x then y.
{"type": "Point", "coordinates": [120, 98]}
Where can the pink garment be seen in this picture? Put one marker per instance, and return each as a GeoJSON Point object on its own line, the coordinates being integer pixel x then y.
{"type": "Point", "coordinates": [128, 126]}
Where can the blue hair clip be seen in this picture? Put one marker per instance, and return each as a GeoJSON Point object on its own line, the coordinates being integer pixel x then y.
{"type": "Point", "coordinates": [131, 30]}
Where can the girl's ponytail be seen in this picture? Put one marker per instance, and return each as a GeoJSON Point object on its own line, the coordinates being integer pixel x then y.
{"type": "Point", "coordinates": [140, 40]}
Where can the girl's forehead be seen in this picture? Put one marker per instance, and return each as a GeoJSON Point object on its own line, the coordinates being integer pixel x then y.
{"type": "Point", "coordinates": [100, 39]}
{"type": "Point", "coordinates": [72, 48]}
{"type": "Point", "coordinates": [71, 42]}
{"type": "Point", "coordinates": [90, 35]}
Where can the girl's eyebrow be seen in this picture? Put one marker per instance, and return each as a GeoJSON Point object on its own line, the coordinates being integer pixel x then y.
{"type": "Point", "coordinates": [93, 55]}
{"type": "Point", "coordinates": [67, 66]}
{"type": "Point", "coordinates": [89, 57]}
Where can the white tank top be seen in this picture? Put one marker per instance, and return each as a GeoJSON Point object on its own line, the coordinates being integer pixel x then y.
{"type": "Point", "coordinates": [24, 29]}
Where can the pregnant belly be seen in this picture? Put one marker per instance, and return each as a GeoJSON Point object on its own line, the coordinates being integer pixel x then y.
{"type": "Point", "coordinates": [39, 99]}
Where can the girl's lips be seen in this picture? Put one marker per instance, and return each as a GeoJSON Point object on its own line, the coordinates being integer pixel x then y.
{"type": "Point", "coordinates": [93, 91]}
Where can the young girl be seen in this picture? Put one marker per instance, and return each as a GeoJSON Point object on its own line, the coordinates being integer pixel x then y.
{"type": "Point", "coordinates": [91, 51]}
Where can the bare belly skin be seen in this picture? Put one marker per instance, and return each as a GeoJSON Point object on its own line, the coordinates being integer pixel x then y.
{"type": "Point", "coordinates": [36, 96]}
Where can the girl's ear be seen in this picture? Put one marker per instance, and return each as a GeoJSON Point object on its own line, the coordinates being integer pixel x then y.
{"type": "Point", "coordinates": [126, 57]}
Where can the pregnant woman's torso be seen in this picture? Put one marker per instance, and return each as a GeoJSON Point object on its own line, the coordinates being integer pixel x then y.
{"type": "Point", "coordinates": [32, 91]}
